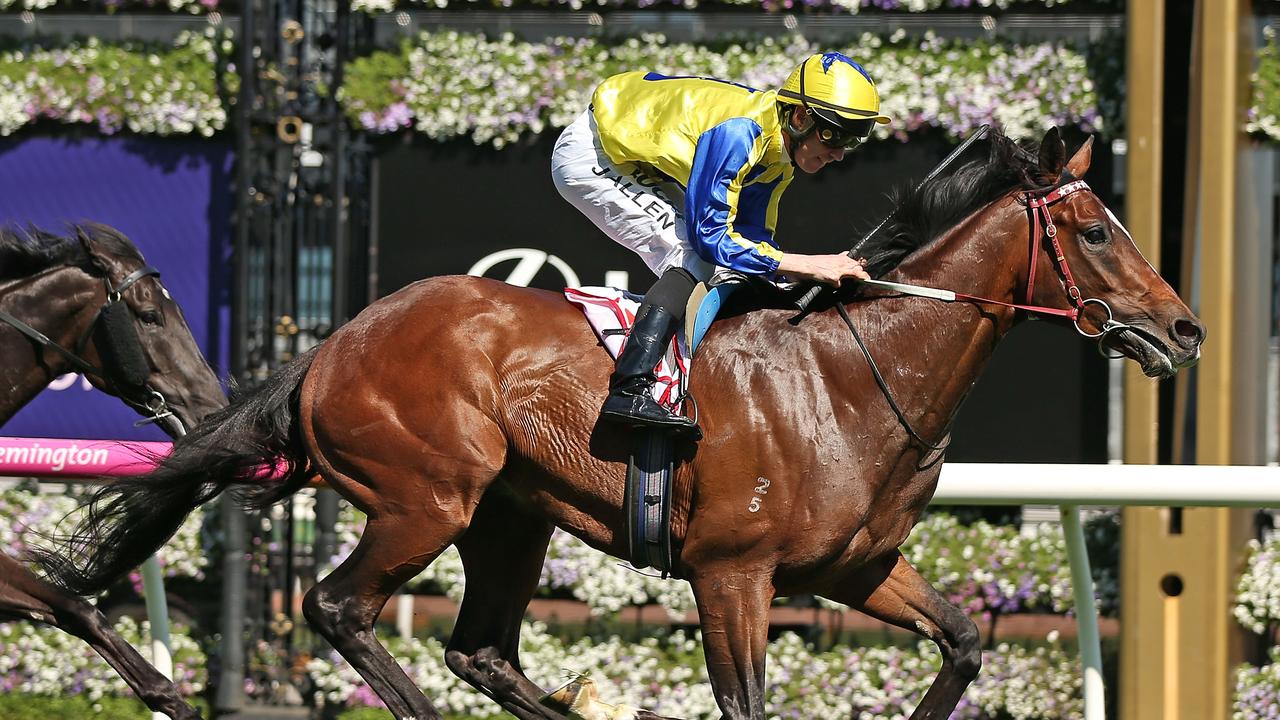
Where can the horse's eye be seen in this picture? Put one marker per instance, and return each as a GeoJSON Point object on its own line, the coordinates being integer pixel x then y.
{"type": "Point", "coordinates": [1095, 236]}
{"type": "Point", "coordinates": [149, 317]}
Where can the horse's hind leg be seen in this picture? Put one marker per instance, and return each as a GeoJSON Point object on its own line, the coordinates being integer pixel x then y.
{"type": "Point", "coordinates": [733, 607]}
{"type": "Point", "coordinates": [891, 590]}
{"type": "Point", "coordinates": [502, 554]}
{"type": "Point", "coordinates": [343, 606]}
{"type": "Point", "coordinates": [23, 595]}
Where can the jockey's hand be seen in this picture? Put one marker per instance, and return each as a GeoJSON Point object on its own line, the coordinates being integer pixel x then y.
{"type": "Point", "coordinates": [826, 269]}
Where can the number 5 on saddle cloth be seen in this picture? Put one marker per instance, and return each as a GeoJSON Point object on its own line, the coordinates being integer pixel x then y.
{"type": "Point", "coordinates": [650, 468]}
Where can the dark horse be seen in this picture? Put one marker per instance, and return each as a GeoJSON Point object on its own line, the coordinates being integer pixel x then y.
{"type": "Point", "coordinates": [463, 411]}
{"type": "Point", "coordinates": [54, 318]}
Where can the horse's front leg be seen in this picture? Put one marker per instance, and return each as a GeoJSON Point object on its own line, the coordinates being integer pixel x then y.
{"type": "Point", "coordinates": [891, 590]}
{"type": "Point", "coordinates": [733, 606]}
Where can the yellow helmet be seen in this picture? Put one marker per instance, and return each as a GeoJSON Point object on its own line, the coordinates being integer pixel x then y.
{"type": "Point", "coordinates": [836, 89]}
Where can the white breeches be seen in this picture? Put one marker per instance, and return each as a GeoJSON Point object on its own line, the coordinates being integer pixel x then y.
{"type": "Point", "coordinates": [637, 209]}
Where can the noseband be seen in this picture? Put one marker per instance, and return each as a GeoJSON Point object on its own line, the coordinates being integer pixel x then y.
{"type": "Point", "coordinates": [141, 396]}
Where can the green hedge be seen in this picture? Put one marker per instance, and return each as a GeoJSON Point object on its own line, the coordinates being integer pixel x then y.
{"type": "Point", "coordinates": [15, 706]}
{"type": "Point", "coordinates": [385, 6]}
{"type": "Point", "coordinates": [1264, 111]}
{"type": "Point", "coordinates": [451, 84]}
{"type": "Point", "coordinates": [145, 88]}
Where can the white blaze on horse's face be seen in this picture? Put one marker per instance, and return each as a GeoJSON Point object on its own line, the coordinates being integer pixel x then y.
{"type": "Point", "coordinates": [1115, 221]}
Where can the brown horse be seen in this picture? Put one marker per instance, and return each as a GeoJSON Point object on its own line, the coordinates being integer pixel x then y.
{"type": "Point", "coordinates": [142, 352]}
{"type": "Point", "coordinates": [463, 411]}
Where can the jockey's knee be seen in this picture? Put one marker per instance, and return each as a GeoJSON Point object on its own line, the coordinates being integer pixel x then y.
{"type": "Point", "coordinates": [671, 292]}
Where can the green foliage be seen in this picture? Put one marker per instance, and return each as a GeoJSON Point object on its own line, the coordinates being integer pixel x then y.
{"type": "Point", "coordinates": [372, 82]}
{"type": "Point", "coordinates": [365, 713]}
{"type": "Point", "coordinates": [496, 90]}
{"type": "Point", "coordinates": [17, 706]}
{"type": "Point", "coordinates": [142, 87]}
{"type": "Point", "coordinates": [43, 661]}
{"type": "Point", "coordinates": [1264, 115]}
{"type": "Point", "coordinates": [1257, 695]}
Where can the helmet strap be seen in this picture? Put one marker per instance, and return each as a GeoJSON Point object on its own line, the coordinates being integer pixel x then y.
{"type": "Point", "coordinates": [797, 136]}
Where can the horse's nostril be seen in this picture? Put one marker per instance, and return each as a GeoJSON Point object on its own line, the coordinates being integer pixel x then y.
{"type": "Point", "coordinates": [1189, 332]}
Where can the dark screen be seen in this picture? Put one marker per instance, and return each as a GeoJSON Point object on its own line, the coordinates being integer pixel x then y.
{"type": "Point", "coordinates": [440, 208]}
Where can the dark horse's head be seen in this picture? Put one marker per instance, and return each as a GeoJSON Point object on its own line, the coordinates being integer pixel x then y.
{"type": "Point", "coordinates": [94, 297]}
{"type": "Point", "coordinates": [1066, 251]}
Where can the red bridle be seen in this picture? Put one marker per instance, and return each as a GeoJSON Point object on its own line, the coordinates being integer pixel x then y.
{"type": "Point", "coordinates": [1042, 226]}
{"type": "Point", "coordinates": [1042, 222]}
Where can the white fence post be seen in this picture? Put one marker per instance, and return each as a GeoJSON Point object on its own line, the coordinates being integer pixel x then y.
{"type": "Point", "coordinates": [1086, 614]}
{"type": "Point", "coordinates": [404, 615]}
{"type": "Point", "coordinates": [158, 615]}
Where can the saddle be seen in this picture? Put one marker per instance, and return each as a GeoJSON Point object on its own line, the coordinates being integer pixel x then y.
{"type": "Point", "coordinates": [651, 463]}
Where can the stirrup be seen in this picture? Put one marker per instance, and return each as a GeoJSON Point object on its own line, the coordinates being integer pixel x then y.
{"type": "Point", "coordinates": [633, 414]}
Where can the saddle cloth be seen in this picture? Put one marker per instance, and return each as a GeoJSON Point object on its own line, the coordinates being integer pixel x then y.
{"type": "Point", "coordinates": [611, 313]}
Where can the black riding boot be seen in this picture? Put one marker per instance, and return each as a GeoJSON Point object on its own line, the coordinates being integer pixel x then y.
{"type": "Point", "coordinates": [630, 401]}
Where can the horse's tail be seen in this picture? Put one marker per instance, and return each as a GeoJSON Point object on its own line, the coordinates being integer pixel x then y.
{"type": "Point", "coordinates": [253, 441]}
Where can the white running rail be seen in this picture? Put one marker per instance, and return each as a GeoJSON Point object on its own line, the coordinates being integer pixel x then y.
{"type": "Point", "coordinates": [1070, 486]}
{"type": "Point", "coordinates": [1067, 486]}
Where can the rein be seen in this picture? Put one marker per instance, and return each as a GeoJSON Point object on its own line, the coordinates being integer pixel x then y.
{"type": "Point", "coordinates": [142, 397]}
{"type": "Point", "coordinates": [1042, 226]}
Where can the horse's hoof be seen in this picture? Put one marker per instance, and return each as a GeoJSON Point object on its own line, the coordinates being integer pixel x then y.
{"type": "Point", "coordinates": [577, 699]}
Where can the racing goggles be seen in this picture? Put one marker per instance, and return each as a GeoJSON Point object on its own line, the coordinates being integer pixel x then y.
{"type": "Point", "coordinates": [849, 135]}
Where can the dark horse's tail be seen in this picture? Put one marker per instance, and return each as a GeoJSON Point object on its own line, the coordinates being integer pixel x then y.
{"type": "Point", "coordinates": [128, 520]}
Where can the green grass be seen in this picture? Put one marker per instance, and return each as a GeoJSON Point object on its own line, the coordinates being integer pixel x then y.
{"type": "Point", "coordinates": [17, 706]}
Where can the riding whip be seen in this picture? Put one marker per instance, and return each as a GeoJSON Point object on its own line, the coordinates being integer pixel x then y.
{"type": "Point", "coordinates": [808, 298]}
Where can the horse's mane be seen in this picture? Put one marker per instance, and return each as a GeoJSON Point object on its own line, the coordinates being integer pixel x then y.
{"type": "Point", "coordinates": [925, 213]}
{"type": "Point", "coordinates": [26, 250]}
{"type": "Point", "coordinates": [922, 215]}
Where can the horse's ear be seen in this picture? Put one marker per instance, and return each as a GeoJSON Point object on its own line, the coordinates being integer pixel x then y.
{"type": "Point", "coordinates": [90, 245]}
{"type": "Point", "coordinates": [1079, 163]}
{"type": "Point", "coordinates": [1053, 154]}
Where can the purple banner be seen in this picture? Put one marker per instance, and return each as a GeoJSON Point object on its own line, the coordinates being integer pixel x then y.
{"type": "Point", "coordinates": [174, 199]}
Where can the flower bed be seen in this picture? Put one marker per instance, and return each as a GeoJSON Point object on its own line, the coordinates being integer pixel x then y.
{"type": "Point", "coordinates": [1257, 695]}
{"type": "Point", "coordinates": [1264, 113]}
{"type": "Point", "coordinates": [185, 6]}
{"type": "Point", "coordinates": [986, 569]}
{"type": "Point", "coordinates": [835, 6]}
{"type": "Point", "coordinates": [1257, 608]}
{"type": "Point", "coordinates": [24, 511]}
{"type": "Point", "coordinates": [384, 6]}
{"type": "Point", "coordinates": [508, 88]}
{"type": "Point", "coordinates": [40, 661]}
{"type": "Point", "coordinates": [143, 88]}
{"type": "Point", "coordinates": [449, 84]}
{"type": "Point", "coordinates": [667, 675]}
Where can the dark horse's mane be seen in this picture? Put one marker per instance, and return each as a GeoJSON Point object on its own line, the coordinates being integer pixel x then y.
{"type": "Point", "coordinates": [925, 213]}
{"type": "Point", "coordinates": [922, 215]}
{"type": "Point", "coordinates": [25, 251]}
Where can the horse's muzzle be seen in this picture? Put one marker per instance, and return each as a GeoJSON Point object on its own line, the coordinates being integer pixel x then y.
{"type": "Point", "coordinates": [1160, 359]}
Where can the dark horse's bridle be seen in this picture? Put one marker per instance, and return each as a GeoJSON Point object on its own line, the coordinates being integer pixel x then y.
{"type": "Point", "coordinates": [1042, 226]}
{"type": "Point", "coordinates": [148, 401]}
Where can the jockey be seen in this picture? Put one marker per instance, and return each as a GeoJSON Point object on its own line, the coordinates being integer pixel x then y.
{"type": "Point", "coordinates": [688, 172]}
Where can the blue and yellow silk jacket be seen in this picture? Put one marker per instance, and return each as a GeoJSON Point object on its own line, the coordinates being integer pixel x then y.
{"type": "Point", "coordinates": [721, 141]}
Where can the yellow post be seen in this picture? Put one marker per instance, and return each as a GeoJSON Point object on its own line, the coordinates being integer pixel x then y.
{"type": "Point", "coordinates": [1145, 83]}
{"type": "Point", "coordinates": [1179, 645]}
{"type": "Point", "coordinates": [1227, 49]}
{"type": "Point", "coordinates": [1140, 546]}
